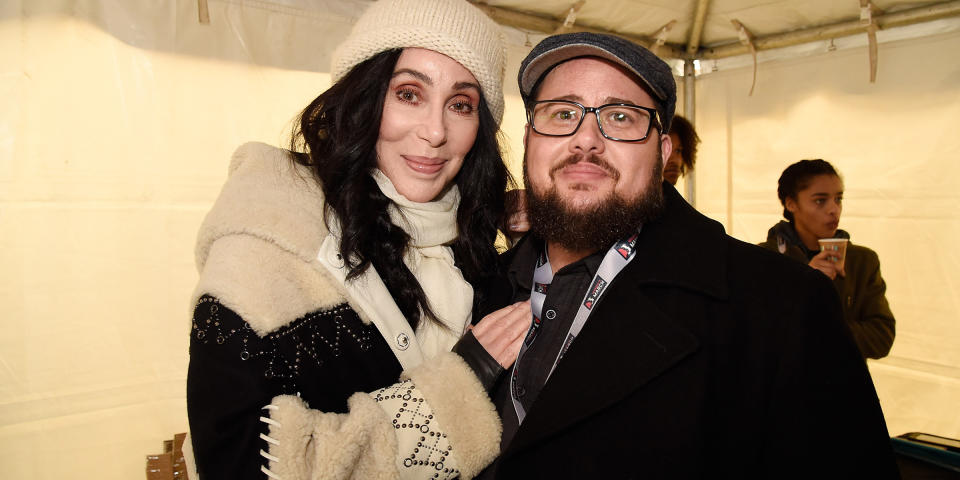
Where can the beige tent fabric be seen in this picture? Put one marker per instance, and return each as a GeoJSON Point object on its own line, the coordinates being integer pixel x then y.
{"type": "Point", "coordinates": [895, 144]}
{"type": "Point", "coordinates": [116, 128]}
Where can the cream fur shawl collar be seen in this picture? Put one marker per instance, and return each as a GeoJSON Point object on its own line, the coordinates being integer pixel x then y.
{"type": "Point", "coordinates": [254, 244]}
{"type": "Point", "coordinates": [265, 253]}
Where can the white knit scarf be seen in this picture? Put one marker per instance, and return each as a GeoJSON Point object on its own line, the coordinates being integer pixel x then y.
{"type": "Point", "coordinates": [432, 226]}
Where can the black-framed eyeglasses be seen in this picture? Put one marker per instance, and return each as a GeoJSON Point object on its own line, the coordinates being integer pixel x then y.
{"type": "Point", "coordinates": [622, 122]}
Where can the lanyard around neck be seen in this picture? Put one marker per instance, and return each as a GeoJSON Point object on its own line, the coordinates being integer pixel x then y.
{"type": "Point", "coordinates": [615, 260]}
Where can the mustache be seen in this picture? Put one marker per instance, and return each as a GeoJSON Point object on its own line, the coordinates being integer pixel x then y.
{"type": "Point", "coordinates": [576, 158]}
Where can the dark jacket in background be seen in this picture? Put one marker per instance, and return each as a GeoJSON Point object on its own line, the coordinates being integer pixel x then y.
{"type": "Point", "coordinates": [707, 358]}
{"type": "Point", "coordinates": [862, 290]}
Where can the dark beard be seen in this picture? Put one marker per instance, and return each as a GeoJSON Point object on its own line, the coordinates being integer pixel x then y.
{"type": "Point", "coordinates": [597, 227]}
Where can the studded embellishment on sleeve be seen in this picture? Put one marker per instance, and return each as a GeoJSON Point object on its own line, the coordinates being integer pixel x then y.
{"type": "Point", "coordinates": [424, 449]}
{"type": "Point", "coordinates": [288, 353]}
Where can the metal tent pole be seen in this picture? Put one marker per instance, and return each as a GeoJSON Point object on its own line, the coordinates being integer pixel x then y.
{"type": "Point", "coordinates": [689, 111]}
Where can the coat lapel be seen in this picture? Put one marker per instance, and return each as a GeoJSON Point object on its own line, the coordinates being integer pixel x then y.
{"type": "Point", "coordinates": [616, 353]}
{"type": "Point", "coordinates": [628, 341]}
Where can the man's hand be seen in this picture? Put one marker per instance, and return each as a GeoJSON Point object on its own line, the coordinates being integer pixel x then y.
{"type": "Point", "coordinates": [502, 332]}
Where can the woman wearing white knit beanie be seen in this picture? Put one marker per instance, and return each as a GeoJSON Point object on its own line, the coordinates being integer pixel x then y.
{"type": "Point", "coordinates": [337, 278]}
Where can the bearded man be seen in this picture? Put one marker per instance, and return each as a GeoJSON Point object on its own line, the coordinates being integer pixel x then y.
{"type": "Point", "coordinates": [659, 346]}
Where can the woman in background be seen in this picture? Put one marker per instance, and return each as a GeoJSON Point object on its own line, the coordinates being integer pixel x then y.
{"type": "Point", "coordinates": [811, 192]}
{"type": "Point", "coordinates": [348, 264]}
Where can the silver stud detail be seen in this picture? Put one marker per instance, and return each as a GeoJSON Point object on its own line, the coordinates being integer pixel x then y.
{"type": "Point", "coordinates": [403, 341]}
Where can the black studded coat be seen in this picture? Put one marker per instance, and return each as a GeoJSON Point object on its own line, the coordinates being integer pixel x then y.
{"type": "Point", "coordinates": [270, 319]}
{"type": "Point", "coordinates": [324, 356]}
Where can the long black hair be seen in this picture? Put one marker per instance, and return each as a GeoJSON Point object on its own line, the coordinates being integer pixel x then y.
{"type": "Point", "coordinates": [797, 177]}
{"type": "Point", "coordinates": [336, 138]}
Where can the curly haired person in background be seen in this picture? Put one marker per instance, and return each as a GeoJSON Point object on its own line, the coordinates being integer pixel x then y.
{"type": "Point", "coordinates": [685, 143]}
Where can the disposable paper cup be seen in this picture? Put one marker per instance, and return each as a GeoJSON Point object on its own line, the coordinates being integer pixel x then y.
{"type": "Point", "coordinates": [836, 245]}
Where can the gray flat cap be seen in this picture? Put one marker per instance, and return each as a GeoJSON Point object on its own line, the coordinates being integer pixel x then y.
{"type": "Point", "coordinates": [650, 69]}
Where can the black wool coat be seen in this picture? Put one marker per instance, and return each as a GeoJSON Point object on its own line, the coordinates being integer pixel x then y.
{"type": "Point", "coordinates": [707, 358]}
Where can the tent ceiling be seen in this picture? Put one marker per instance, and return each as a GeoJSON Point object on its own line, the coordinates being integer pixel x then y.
{"type": "Point", "coordinates": [772, 23]}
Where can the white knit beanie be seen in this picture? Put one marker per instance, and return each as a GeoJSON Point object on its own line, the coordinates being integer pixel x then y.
{"type": "Point", "coordinates": [451, 27]}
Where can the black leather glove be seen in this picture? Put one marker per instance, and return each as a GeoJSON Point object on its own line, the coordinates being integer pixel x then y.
{"type": "Point", "coordinates": [484, 366]}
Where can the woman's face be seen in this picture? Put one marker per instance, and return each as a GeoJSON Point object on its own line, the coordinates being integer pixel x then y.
{"type": "Point", "coordinates": [674, 167]}
{"type": "Point", "coordinates": [429, 123]}
{"type": "Point", "coordinates": [816, 209]}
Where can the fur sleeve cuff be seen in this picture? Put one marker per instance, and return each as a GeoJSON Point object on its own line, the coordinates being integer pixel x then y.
{"type": "Point", "coordinates": [437, 423]}
{"type": "Point", "coordinates": [308, 444]}
{"type": "Point", "coordinates": [461, 403]}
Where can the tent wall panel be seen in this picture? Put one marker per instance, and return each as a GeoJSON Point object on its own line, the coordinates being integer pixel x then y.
{"type": "Point", "coordinates": [117, 126]}
{"type": "Point", "coordinates": [896, 146]}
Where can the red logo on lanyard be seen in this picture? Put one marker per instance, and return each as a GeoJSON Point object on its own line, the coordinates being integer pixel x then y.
{"type": "Point", "coordinates": [542, 259]}
{"type": "Point", "coordinates": [625, 247]}
{"type": "Point", "coordinates": [532, 333]}
{"type": "Point", "coordinates": [595, 291]}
